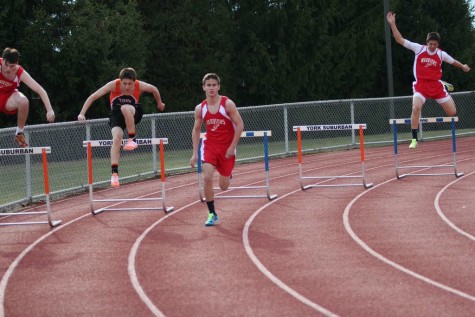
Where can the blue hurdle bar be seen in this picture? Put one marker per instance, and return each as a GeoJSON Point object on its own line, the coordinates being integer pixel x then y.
{"type": "Point", "coordinates": [452, 120]}
{"type": "Point", "coordinates": [244, 134]}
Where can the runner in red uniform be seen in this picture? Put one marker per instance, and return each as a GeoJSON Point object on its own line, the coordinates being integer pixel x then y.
{"type": "Point", "coordinates": [224, 126]}
{"type": "Point", "coordinates": [125, 112]}
{"type": "Point", "coordinates": [14, 102]}
{"type": "Point", "coordinates": [428, 74]}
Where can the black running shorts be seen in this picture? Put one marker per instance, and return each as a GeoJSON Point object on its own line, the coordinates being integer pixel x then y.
{"type": "Point", "coordinates": [116, 118]}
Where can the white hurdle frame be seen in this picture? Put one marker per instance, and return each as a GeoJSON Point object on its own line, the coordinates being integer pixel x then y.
{"type": "Point", "coordinates": [331, 127]}
{"type": "Point", "coordinates": [27, 151]}
{"type": "Point", "coordinates": [244, 134]}
{"type": "Point", "coordinates": [107, 143]}
{"type": "Point", "coordinates": [452, 120]}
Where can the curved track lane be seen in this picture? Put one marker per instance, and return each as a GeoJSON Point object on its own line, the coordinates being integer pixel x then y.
{"type": "Point", "coordinates": [149, 263]}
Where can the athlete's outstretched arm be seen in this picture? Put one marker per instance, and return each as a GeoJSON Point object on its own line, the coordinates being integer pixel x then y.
{"type": "Point", "coordinates": [96, 95]}
{"type": "Point", "coordinates": [30, 82]}
{"type": "Point", "coordinates": [391, 17]}
{"type": "Point", "coordinates": [463, 67]}
{"type": "Point", "coordinates": [153, 90]}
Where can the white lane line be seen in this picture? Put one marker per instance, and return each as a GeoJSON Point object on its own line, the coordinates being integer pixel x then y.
{"type": "Point", "coordinates": [441, 213]}
{"type": "Point", "coordinates": [16, 261]}
{"type": "Point", "coordinates": [131, 263]}
{"type": "Point", "coordinates": [267, 273]}
{"type": "Point", "coordinates": [353, 235]}
{"type": "Point", "coordinates": [14, 264]}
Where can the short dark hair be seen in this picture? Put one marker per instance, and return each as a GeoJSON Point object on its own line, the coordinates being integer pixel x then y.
{"type": "Point", "coordinates": [433, 36]}
{"type": "Point", "coordinates": [128, 73]}
{"type": "Point", "coordinates": [211, 76]}
{"type": "Point", "coordinates": [11, 55]}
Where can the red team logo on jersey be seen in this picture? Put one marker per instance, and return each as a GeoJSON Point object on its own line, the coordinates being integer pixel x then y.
{"type": "Point", "coordinates": [429, 62]}
{"type": "Point", "coordinates": [215, 123]}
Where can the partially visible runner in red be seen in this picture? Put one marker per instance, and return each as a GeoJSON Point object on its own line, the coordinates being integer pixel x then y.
{"type": "Point", "coordinates": [224, 126]}
{"type": "Point", "coordinates": [428, 74]}
{"type": "Point", "coordinates": [125, 112]}
{"type": "Point", "coordinates": [14, 102]}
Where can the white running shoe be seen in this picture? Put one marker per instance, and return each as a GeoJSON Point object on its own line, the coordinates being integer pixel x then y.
{"type": "Point", "coordinates": [115, 180]}
{"type": "Point", "coordinates": [131, 145]}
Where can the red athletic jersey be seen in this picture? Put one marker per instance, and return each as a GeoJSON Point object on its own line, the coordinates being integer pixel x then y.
{"type": "Point", "coordinates": [428, 66]}
{"type": "Point", "coordinates": [219, 126]}
{"type": "Point", "coordinates": [116, 96]}
{"type": "Point", "coordinates": [8, 86]}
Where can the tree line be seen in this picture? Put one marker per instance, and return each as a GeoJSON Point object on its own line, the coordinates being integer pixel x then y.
{"type": "Point", "coordinates": [265, 51]}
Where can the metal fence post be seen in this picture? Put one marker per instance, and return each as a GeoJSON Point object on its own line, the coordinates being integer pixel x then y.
{"type": "Point", "coordinates": [286, 129]}
{"type": "Point", "coordinates": [352, 114]}
{"type": "Point", "coordinates": [154, 147]}
{"type": "Point", "coordinates": [29, 195]}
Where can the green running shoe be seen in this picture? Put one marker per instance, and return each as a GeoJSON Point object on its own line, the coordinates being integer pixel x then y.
{"type": "Point", "coordinates": [212, 218]}
{"type": "Point", "coordinates": [413, 144]}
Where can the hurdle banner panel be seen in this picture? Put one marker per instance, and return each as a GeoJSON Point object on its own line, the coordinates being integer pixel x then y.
{"type": "Point", "coordinates": [27, 151]}
{"type": "Point", "coordinates": [24, 151]}
{"type": "Point", "coordinates": [152, 141]}
{"type": "Point", "coordinates": [452, 120]}
{"type": "Point", "coordinates": [332, 127]}
{"type": "Point", "coordinates": [91, 143]}
{"type": "Point", "coordinates": [244, 134]}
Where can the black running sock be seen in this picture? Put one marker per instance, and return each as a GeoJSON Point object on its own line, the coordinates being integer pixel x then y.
{"type": "Point", "coordinates": [115, 168]}
{"type": "Point", "coordinates": [211, 207]}
{"type": "Point", "coordinates": [414, 134]}
{"type": "Point", "coordinates": [132, 136]}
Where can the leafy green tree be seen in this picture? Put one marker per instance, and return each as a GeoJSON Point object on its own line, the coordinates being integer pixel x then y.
{"type": "Point", "coordinates": [188, 40]}
{"type": "Point", "coordinates": [266, 51]}
{"type": "Point", "coordinates": [73, 47]}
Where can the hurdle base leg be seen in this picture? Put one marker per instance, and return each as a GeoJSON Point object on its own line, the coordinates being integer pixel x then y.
{"type": "Point", "coordinates": [366, 186]}
{"type": "Point", "coordinates": [98, 211]}
{"type": "Point", "coordinates": [54, 223]}
{"type": "Point", "coordinates": [398, 176]}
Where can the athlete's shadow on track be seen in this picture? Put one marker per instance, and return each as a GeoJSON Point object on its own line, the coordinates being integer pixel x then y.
{"type": "Point", "coordinates": [259, 240]}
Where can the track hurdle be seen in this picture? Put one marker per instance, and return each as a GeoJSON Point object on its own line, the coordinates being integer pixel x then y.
{"type": "Point", "coordinates": [331, 127]}
{"type": "Point", "coordinates": [27, 151]}
{"type": "Point", "coordinates": [98, 143]}
{"type": "Point", "coordinates": [244, 134]}
{"type": "Point", "coordinates": [452, 120]}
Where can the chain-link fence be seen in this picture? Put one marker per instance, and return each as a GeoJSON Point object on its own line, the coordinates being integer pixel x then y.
{"type": "Point", "coordinates": [22, 176]}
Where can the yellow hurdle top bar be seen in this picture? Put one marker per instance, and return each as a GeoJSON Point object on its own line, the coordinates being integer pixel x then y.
{"type": "Point", "coordinates": [25, 151]}
{"type": "Point", "coordinates": [95, 143]}
{"type": "Point", "coordinates": [248, 134]}
{"type": "Point", "coordinates": [329, 127]}
{"type": "Point", "coordinates": [425, 120]}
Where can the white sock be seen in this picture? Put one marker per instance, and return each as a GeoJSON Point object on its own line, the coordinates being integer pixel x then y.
{"type": "Point", "coordinates": [18, 130]}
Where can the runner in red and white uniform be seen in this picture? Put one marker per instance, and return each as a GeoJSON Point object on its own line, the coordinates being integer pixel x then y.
{"type": "Point", "coordinates": [428, 73]}
{"type": "Point", "coordinates": [11, 100]}
{"type": "Point", "coordinates": [224, 126]}
{"type": "Point", "coordinates": [125, 112]}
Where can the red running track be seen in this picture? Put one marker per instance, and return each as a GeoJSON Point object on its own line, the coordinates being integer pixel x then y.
{"type": "Point", "coordinates": [401, 248]}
